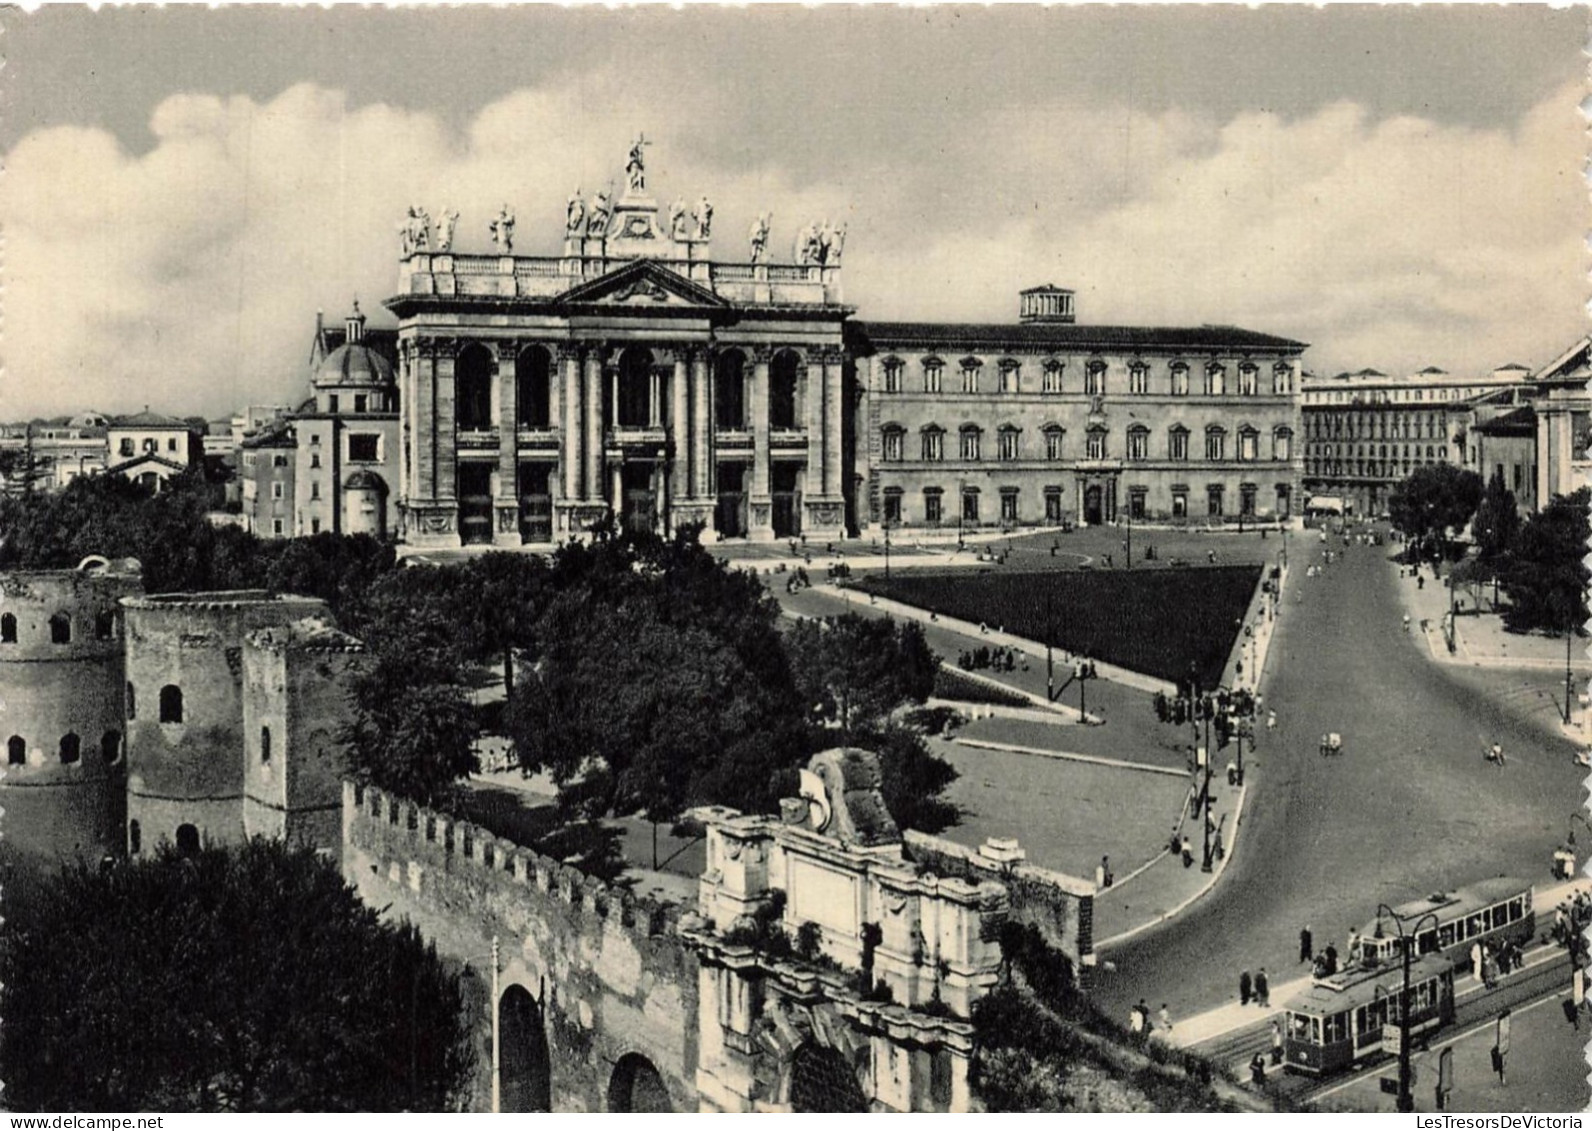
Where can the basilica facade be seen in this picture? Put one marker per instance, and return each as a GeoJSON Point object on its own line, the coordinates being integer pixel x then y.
{"type": "Point", "coordinates": [636, 376]}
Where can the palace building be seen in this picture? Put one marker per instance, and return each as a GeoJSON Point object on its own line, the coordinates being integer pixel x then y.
{"type": "Point", "coordinates": [636, 375]}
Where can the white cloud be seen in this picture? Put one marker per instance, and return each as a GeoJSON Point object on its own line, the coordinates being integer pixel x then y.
{"type": "Point", "coordinates": [187, 277]}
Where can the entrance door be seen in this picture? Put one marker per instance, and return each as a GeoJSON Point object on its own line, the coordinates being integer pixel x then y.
{"type": "Point", "coordinates": [730, 517]}
{"type": "Point", "coordinates": [475, 503]}
{"type": "Point", "coordinates": [641, 501]}
{"type": "Point", "coordinates": [536, 502]}
{"type": "Point", "coordinates": [1093, 514]}
{"type": "Point", "coordinates": [787, 501]}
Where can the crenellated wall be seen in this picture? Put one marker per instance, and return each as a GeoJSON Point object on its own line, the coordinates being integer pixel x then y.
{"type": "Point", "coordinates": [610, 977]}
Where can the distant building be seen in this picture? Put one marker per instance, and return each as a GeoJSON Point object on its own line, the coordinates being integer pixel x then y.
{"type": "Point", "coordinates": [332, 465]}
{"type": "Point", "coordinates": [1506, 446]}
{"type": "Point", "coordinates": [1365, 431]}
{"type": "Point", "coordinates": [1563, 408]}
{"type": "Point", "coordinates": [150, 449]}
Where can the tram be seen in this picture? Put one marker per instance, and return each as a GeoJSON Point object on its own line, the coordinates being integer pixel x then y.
{"type": "Point", "coordinates": [1489, 912]}
{"type": "Point", "coordinates": [1352, 1016]}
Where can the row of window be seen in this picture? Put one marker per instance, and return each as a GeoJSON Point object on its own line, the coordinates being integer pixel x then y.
{"type": "Point", "coordinates": [1373, 450]}
{"type": "Point", "coordinates": [61, 627]}
{"type": "Point", "coordinates": [1096, 446]}
{"type": "Point", "coordinates": [187, 839]}
{"type": "Point", "coordinates": [1351, 428]}
{"type": "Point", "coordinates": [1370, 468]}
{"type": "Point", "coordinates": [71, 748]}
{"type": "Point", "coordinates": [1052, 377]}
{"type": "Point", "coordinates": [933, 503]}
{"type": "Point", "coordinates": [149, 445]}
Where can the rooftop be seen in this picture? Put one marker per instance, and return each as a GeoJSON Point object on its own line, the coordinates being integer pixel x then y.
{"type": "Point", "coordinates": [1068, 335]}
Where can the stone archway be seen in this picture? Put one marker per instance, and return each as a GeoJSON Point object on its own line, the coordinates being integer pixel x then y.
{"type": "Point", "coordinates": [524, 1068]}
{"type": "Point", "coordinates": [636, 1085]}
{"type": "Point", "coordinates": [822, 1081]}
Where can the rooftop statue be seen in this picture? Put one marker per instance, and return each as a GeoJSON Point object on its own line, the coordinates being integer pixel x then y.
{"type": "Point", "coordinates": [677, 220]}
{"type": "Point", "coordinates": [704, 218]}
{"type": "Point", "coordinates": [807, 244]}
{"type": "Point", "coordinates": [414, 232]}
{"type": "Point", "coordinates": [636, 168]}
{"type": "Point", "coordinates": [445, 225]}
{"type": "Point", "coordinates": [575, 214]}
{"type": "Point", "coordinates": [759, 236]}
{"type": "Point", "coordinates": [601, 209]}
{"type": "Point", "coordinates": [502, 229]}
{"type": "Point", "coordinates": [834, 242]}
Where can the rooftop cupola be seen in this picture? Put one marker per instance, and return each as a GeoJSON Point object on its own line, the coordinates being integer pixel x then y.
{"type": "Point", "coordinates": [1047, 304]}
{"type": "Point", "coordinates": [354, 325]}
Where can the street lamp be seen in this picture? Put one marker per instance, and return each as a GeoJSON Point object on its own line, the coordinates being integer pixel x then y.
{"type": "Point", "coordinates": [1203, 761]}
{"type": "Point", "coordinates": [887, 549]}
{"type": "Point", "coordinates": [1406, 1100]}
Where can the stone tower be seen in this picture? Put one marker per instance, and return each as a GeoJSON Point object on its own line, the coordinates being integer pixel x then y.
{"type": "Point", "coordinates": [185, 718]}
{"type": "Point", "coordinates": [61, 681]}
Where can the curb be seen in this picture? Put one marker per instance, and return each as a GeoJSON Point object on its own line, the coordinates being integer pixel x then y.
{"type": "Point", "coordinates": [1064, 756]}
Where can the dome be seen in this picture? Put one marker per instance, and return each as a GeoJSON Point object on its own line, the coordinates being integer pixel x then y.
{"type": "Point", "coordinates": [353, 364]}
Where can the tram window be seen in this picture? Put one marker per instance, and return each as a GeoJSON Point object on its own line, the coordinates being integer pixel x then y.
{"type": "Point", "coordinates": [1517, 908]}
{"type": "Point", "coordinates": [1426, 942]}
{"type": "Point", "coordinates": [1487, 922]}
{"type": "Point", "coordinates": [1336, 1028]}
{"type": "Point", "coordinates": [1299, 1026]}
{"type": "Point", "coordinates": [1445, 936]}
{"type": "Point", "coordinates": [1315, 1030]}
{"type": "Point", "coordinates": [1473, 926]}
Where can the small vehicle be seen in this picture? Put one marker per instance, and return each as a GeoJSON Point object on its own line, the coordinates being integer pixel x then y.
{"type": "Point", "coordinates": [1331, 744]}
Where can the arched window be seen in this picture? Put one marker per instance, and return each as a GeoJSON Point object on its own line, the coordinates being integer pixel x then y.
{"type": "Point", "coordinates": [933, 374]}
{"type": "Point", "coordinates": [1051, 381]}
{"type": "Point", "coordinates": [265, 746]}
{"type": "Point", "coordinates": [1138, 442]}
{"type": "Point", "coordinates": [1095, 444]}
{"type": "Point", "coordinates": [729, 390]}
{"type": "Point", "coordinates": [1010, 439]}
{"type": "Point", "coordinates": [8, 628]}
{"type": "Point", "coordinates": [1053, 441]}
{"type": "Point", "coordinates": [1215, 379]}
{"type": "Point", "coordinates": [71, 748]}
{"type": "Point", "coordinates": [1281, 377]}
{"type": "Point", "coordinates": [782, 382]}
{"type": "Point", "coordinates": [971, 367]}
{"type": "Point", "coordinates": [893, 367]}
{"type": "Point", "coordinates": [1215, 443]}
{"type": "Point", "coordinates": [1094, 378]}
{"type": "Point", "coordinates": [111, 747]}
{"type": "Point", "coordinates": [1248, 379]}
{"type": "Point", "coordinates": [972, 442]}
{"type": "Point", "coordinates": [171, 704]}
{"type": "Point", "coordinates": [634, 407]}
{"type": "Point", "coordinates": [473, 373]}
{"type": "Point", "coordinates": [637, 1086]}
{"type": "Point", "coordinates": [135, 838]}
{"type": "Point", "coordinates": [104, 625]}
{"type": "Point", "coordinates": [1179, 372]}
{"type": "Point", "coordinates": [61, 628]}
{"type": "Point", "coordinates": [933, 443]}
{"type": "Point", "coordinates": [1177, 442]}
{"type": "Point", "coordinates": [533, 383]}
{"type": "Point", "coordinates": [1282, 444]}
{"type": "Point", "coordinates": [1248, 444]}
{"type": "Point", "coordinates": [187, 840]}
{"type": "Point", "coordinates": [1138, 378]}
{"type": "Point", "coordinates": [16, 751]}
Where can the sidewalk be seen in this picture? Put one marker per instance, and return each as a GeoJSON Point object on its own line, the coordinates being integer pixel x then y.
{"type": "Point", "coordinates": [1481, 640]}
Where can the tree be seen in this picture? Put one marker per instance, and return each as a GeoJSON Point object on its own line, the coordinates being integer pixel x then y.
{"type": "Point", "coordinates": [855, 670]}
{"type": "Point", "coordinates": [1435, 502]}
{"type": "Point", "coordinates": [413, 728]}
{"type": "Point", "coordinates": [1546, 579]}
{"type": "Point", "coordinates": [1497, 522]}
{"type": "Point", "coordinates": [246, 979]}
{"type": "Point", "coordinates": [504, 595]}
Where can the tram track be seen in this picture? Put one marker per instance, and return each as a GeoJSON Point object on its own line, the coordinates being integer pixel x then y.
{"type": "Point", "coordinates": [1539, 979]}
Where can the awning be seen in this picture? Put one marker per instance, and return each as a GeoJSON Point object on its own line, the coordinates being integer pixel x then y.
{"type": "Point", "coordinates": [1325, 503]}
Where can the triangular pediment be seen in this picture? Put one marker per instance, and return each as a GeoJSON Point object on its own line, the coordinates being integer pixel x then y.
{"type": "Point", "coordinates": [643, 284]}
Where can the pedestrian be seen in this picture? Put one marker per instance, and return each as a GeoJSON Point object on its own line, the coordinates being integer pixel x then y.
{"type": "Point", "coordinates": [1262, 989]}
{"type": "Point", "coordinates": [1475, 960]}
{"type": "Point", "coordinates": [1271, 720]}
{"type": "Point", "coordinates": [1331, 955]}
{"type": "Point", "coordinates": [1257, 1070]}
{"type": "Point", "coordinates": [1164, 1019]}
{"type": "Point", "coordinates": [1245, 988]}
{"type": "Point", "coordinates": [1406, 622]}
{"type": "Point", "coordinates": [1105, 867]}
{"type": "Point", "coordinates": [1306, 947]}
{"type": "Point", "coordinates": [1276, 1042]}
{"type": "Point", "coordinates": [1188, 852]}
{"type": "Point", "coordinates": [1136, 1021]}
{"type": "Point", "coordinates": [1100, 875]}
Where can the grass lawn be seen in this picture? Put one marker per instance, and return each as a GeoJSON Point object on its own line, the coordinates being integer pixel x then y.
{"type": "Point", "coordinates": [1154, 621]}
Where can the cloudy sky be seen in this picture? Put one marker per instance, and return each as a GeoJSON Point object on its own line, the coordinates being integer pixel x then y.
{"type": "Point", "coordinates": [183, 189]}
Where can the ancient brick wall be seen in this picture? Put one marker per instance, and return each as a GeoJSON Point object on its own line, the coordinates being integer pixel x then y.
{"type": "Point", "coordinates": [611, 981]}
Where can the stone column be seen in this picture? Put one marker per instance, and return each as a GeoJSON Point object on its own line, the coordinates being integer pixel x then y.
{"type": "Point", "coordinates": [654, 398]}
{"type": "Point", "coordinates": [506, 507]}
{"type": "Point", "coordinates": [593, 414]}
{"type": "Point", "coordinates": [812, 388]}
{"type": "Point", "coordinates": [424, 413]}
{"type": "Point", "coordinates": [447, 433]}
{"type": "Point", "coordinates": [832, 425]}
{"type": "Point", "coordinates": [702, 431]}
{"type": "Point", "coordinates": [680, 427]}
{"type": "Point", "coordinates": [760, 506]}
{"type": "Point", "coordinates": [616, 497]}
{"type": "Point", "coordinates": [572, 440]}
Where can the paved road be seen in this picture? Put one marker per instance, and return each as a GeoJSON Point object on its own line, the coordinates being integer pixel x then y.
{"type": "Point", "coordinates": [1411, 807]}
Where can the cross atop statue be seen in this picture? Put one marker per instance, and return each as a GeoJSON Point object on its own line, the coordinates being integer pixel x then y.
{"type": "Point", "coordinates": [636, 167]}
